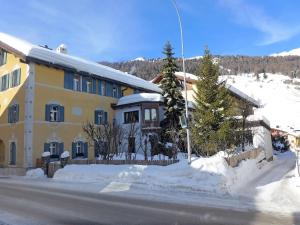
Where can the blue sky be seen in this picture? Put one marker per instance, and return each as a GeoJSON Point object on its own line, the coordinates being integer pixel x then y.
{"type": "Point", "coordinates": [116, 30]}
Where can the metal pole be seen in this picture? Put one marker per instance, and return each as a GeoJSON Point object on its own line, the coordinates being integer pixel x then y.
{"type": "Point", "coordinates": [185, 87]}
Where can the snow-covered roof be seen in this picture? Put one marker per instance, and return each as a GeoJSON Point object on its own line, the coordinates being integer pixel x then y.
{"type": "Point", "coordinates": [242, 95]}
{"type": "Point", "coordinates": [141, 97]}
{"type": "Point", "coordinates": [79, 64]}
{"type": "Point", "coordinates": [188, 75]}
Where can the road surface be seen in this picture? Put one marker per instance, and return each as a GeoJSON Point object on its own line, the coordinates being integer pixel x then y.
{"type": "Point", "coordinates": [27, 204]}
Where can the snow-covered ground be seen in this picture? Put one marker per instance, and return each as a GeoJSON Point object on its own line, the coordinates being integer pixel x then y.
{"type": "Point", "coordinates": [280, 101]}
{"type": "Point", "coordinates": [207, 181]}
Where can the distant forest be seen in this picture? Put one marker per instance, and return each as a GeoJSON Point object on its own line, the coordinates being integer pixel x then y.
{"type": "Point", "coordinates": [148, 69]}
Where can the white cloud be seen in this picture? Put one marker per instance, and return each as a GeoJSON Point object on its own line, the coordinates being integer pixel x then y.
{"type": "Point", "coordinates": [254, 16]}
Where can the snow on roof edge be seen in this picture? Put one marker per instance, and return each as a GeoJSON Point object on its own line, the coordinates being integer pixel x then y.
{"type": "Point", "coordinates": [74, 62]}
{"type": "Point", "coordinates": [141, 97]}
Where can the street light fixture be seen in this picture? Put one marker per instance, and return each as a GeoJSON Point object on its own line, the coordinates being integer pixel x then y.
{"type": "Point", "coordinates": [185, 87]}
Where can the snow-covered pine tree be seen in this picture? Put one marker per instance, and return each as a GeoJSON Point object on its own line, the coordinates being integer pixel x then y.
{"type": "Point", "coordinates": [173, 100]}
{"type": "Point", "coordinates": [212, 124]}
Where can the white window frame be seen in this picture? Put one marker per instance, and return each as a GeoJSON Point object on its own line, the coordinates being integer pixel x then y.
{"type": "Point", "coordinates": [54, 113]}
{"type": "Point", "coordinates": [76, 82]}
{"type": "Point", "coordinates": [54, 148]}
{"type": "Point", "coordinates": [89, 86]}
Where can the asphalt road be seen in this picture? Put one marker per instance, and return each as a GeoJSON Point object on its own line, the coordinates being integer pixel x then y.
{"type": "Point", "coordinates": [36, 205]}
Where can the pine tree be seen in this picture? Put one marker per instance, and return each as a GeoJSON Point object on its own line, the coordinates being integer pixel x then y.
{"type": "Point", "coordinates": [212, 126]}
{"type": "Point", "coordinates": [173, 100]}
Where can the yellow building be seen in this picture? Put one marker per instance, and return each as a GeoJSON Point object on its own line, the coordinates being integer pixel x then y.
{"type": "Point", "coordinates": [46, 96]}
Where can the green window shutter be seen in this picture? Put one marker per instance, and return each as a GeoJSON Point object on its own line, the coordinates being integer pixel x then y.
{"type": "Point", "coordinates": [17, 113]}
{"type": "Point", "coordinates": [109, 89]}
{"type": "Point", "coordinates": [68, 80]}
{"type": "Point", "coordinates": [46, 147]}
{"type": "Point", "coordinates": [100, 87]}
{"type": "Point", "coordinates": [86, 150]}
{"type": "Point", "coordinates": [9, 114]}
{"type": "Point", "coordinates": [61, 114]}
{"type": "Point", "coordinates": [47, 112]}
{"type": "Point", "coordinates": [84, 83]}
{"type": "Point", "coordinates": [61, 148]}
{"type": "Point", "coordinates": [73, 150]}
{"type": "Point", "coordinates": [94, 86]}
{"type": "Point", "coordinates": [96, 117]}
{"type": "Point", "coordinates": [18, 81]}
{"type": "Point", "coordinates": [105, 118]}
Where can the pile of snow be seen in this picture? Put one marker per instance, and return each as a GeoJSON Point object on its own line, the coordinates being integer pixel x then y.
{"type": "Point", "coordinates": [35, 173]}
{"type": "Point", "coordinates": [204, 174]}
{"type": "Point", "coordinates": [46, 154]}
{"type": "Point", "coordinates": [280, 102]}
{"type": "Point", "coordinates": [65, 154]}
{"type": "Point", "coordinates": [293, 52]}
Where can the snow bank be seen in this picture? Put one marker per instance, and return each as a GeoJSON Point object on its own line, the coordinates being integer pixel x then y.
{"type": "Point", "coordinates": [35, 173]}
{"type": "Point", "coordinates": [204, 174]}
{"type": "Point", "coordinates": [46, 154]}
{"type": "Point", "coordinates": [65, 154]}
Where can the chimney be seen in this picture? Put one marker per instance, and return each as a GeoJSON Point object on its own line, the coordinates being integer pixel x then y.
{"type": "Point", "coordinates": [62, 49]}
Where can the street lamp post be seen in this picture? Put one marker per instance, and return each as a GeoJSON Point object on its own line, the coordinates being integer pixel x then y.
{"type": "Point", "coordinates": [185, 87]}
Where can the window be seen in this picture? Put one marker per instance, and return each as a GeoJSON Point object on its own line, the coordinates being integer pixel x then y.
{"type": "Point", "coordinates": [3, 57]}
{"type": "Point", "coordinates": [79, 149]}
{"type": "Point", "coordinates": [76, 83]}
{"type": "Point", "coordinates": [114, 92]}
{"type": "Point", "coordinates": [13, 113]}
{"type": "Point", "coordinates": [131, 117]}
{"type": "Point", "coordinates": [15, 77]}
{"type": "Point", "coordinates": [101, 87]}
{"type": "Point", "coordinates": [4, 82]}
{"type": "Point", "coordinates": [89, 86]}
{"type": "Point", "coordinates": [153, 114]}
{"type": "Point", "coordinates": [12, 153]}
{"type": "Point", "coordinates": [150, 114]}
{"type": "Point", "coordinates": [100, 117]}
{"type": "Point", "coordinates": [147, 115]}
{"type": "Point", "coordinates": [55, 149]}
{"type": "Point", "coordinates": [54, 113]}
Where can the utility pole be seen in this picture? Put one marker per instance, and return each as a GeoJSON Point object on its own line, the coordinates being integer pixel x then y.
{"type": "Point", "coordinates": [185, 87]}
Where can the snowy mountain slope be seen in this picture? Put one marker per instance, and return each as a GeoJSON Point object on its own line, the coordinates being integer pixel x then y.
{"type": "Point", "coordinates": [278, 95]}
{"type": "Point", "coordinates": [292, 52]}
{"type": "Point", "coordinates": [139, 59]}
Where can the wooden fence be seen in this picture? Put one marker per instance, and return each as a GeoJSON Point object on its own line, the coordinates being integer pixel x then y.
{"type": "Point", "coordinates": [54, 166]}
{"type": "Point", "coordinates": [124, 162]}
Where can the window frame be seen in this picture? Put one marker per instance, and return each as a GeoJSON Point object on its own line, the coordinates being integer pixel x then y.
{"type": "Point", "coordinates": [151, 119]}
{"type": "Point", "coordinates": [129, 115]}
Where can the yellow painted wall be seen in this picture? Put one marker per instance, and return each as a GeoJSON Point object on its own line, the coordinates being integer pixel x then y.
{"type": "Point", "coordinates": [7, 98]}
{"type": "Point", "coordinates": [49, 87]}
